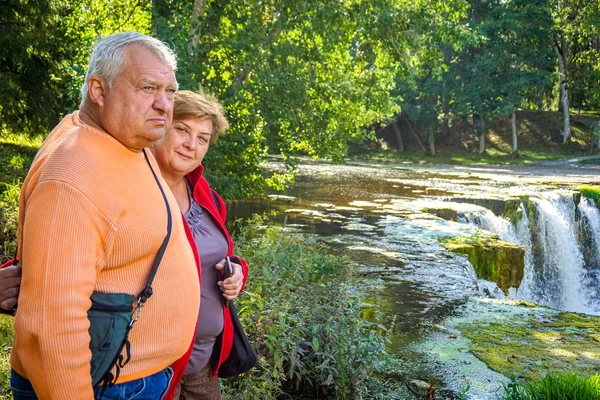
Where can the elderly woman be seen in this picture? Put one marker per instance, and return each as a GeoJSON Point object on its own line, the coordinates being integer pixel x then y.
{"type": "Point", "coordinates": [198, 121]}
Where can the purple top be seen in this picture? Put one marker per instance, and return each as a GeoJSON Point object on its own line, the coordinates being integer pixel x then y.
{"type": "Point", "coordinates": [212, 247]}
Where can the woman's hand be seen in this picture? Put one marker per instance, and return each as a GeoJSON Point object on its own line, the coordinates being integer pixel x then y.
{"type": "Point", "coordinates": [10, 283]}
{"type": "Point", "coordinates": [231, 286]}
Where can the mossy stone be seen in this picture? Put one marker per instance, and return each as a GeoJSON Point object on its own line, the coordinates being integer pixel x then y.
{"type": "Point", "coordinates": [493, 259]}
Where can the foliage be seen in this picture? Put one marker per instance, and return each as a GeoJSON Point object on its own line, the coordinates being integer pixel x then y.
{"type": "Point", "coordinates": [6, 339]}
{"type": "Point", "coordinates": [551, 386]}
{"type": "Point", "coordinates": [16, 155]}
{"type": "Point", "coordinates": [576, 28]}
{"type": "Point", "coordinates": [295, 77]}
{"type": "Point", "coordinates": [591, 192]}
{"type": "Point", "coordinates": [32, 51]}
{"type": "Point", "coordinates": [302, 321]}
{"type": "Point", "coordinates": [9, 215]}
{"type": "Point", "coordinates": [44, 50]}
{"type": "Point", "coordinates": [313, 77]}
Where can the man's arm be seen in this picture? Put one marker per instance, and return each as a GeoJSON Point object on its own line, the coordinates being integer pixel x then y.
{"type": "Point", "coordinates": [64, 241]}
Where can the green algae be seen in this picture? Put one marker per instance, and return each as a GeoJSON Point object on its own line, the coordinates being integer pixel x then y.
{"type": "Point", "coordinates": [492, 259]}
{"type": "Point", "coordinates": [533, 343]}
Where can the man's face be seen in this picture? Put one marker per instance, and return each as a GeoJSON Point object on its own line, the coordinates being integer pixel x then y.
{"type": "Point", "coordinates": [138, 106]}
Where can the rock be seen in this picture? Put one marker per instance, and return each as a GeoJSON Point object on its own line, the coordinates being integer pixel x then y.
{"type": "Point", "coordinates": [444, 213]}
{"type": "Point", "coordinates": [420, 388]}
{"type": "Point", "coordinates": [493, 259]}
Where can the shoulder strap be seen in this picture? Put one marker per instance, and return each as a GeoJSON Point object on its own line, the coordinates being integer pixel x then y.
{"type": "Point", "coordinates": [215, 200]}
{"type": "Point", "coordinates": [147, 292]}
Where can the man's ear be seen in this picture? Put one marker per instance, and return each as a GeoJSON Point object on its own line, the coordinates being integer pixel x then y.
{"type": "Point", "coordinates": [97, 90]}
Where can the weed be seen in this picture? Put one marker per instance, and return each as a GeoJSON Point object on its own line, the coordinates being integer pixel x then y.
{"type": "Point", "coordinates": [560, 386]}
{"type": "Point", "coordinates": [302, 321]}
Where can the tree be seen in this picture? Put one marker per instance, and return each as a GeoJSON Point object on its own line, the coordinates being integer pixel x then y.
{"type": "Point", "coordinates": [295, 78]}
{"type": "Point", "coordinates": [32, 51]}
{"type": "Point", "coordinates": [424, 39]}
{"type": "Point", "coordinates": [576, 26]}
{"type": "Point", "coordinates": [519, 39]}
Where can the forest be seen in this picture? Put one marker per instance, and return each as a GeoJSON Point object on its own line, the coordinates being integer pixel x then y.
{"type": "Point", "coordinates": [311, 77]}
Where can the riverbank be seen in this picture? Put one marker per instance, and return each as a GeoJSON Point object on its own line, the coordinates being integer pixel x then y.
{"type": "Point", "coordinates": [538, 134]}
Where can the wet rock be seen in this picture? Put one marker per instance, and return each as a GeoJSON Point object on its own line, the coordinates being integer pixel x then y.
{"type": "Point", "coordinates": [445, 213]}
{"type": "Point", "coordinates": [492, 259]}
{"type": "Point", "coordinates": [420, 388]}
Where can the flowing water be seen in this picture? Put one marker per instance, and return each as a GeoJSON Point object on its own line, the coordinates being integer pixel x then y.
{"type": "Point", "coordinates": [381, 218]}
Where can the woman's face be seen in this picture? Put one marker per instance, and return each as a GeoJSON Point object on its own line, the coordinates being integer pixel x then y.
{"type": "Point", "coordinates": [182, 149]}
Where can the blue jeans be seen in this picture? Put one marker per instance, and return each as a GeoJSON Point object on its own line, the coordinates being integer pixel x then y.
{"type": "Point", "coordinates": [152, 387]}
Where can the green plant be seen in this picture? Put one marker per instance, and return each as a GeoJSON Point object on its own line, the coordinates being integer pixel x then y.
{"type": "Point", "coordinates": [591, 192]}
{"type": "Point", "coordinates": [304, 324]}
{"type": "Point", "coordinates": [463, 391]}
{"type": "Point", "coordinates": [551, 386]}
{"type": "Point", "coordinates": [9, 214]}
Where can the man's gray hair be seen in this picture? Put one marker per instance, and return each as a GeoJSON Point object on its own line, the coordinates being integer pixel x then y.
{"type": "Point", "coordinates": [107, 58]}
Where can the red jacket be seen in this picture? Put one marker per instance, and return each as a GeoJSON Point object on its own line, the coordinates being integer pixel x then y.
{"type": "Point", "coordinates": [203, 194]}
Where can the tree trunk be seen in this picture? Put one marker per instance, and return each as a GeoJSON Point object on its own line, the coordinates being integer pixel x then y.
{"type": "Point", "coordinates": [540, 104]}
{"type": "Point", "coordinates": [482, 134]}
{"type": "Point", "coordinates": [197, 13]}
{"type": "Point", "coordinates": [399, 140]}
{"type": "Point", "coordinates": [432, 144]}
{"type": "Point", "coordinates": [416, 135]}
{"type": "Point", "coordinates": [560, 53]}
{"type": "Point", "coordinates": [514, 131]}
{"type": "Point", "coordinates": [446, 131]}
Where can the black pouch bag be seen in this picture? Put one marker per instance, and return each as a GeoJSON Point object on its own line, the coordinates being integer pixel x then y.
{"type": "Point", "coordinates": [241, 358]}
{"type": "Point", "coordinates": [109, 320]}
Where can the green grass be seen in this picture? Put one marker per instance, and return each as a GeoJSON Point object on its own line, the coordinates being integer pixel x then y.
{"type": "Point", "coordinates": [591, 192]}
{"type": "Point", "coordinates": [6, 338]}
{"type": "Point", "coordinates": [555, 387]}
{"type": "Point", "coordinates": [16, 154]}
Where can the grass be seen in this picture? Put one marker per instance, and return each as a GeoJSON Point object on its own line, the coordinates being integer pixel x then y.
{"type": "Point", "coordinates": [555, 387]}
{"type": "Point", "coordinates": [6, 338]}
{"type": "Point", "coordinates": [591, 192]}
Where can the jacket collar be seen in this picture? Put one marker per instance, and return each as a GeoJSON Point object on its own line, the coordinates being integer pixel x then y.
{"type": "Point", "coordinates": [195, 175]}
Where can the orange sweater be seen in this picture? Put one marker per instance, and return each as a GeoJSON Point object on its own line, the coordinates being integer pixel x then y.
{"type": "Point", "coordinates": [92, 218]}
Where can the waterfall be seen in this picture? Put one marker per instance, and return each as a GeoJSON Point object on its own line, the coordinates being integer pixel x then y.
{"type": "Point", "coordinates": [486, 219]}
{"type": "Point", "coordinates": [590, 221]}
{"type": "Point", "coordinates": [591, 214]}
{"type": "Point", "coordinates": [555, 270]}
{"type": "Point", "coordinates": [560, 267]}
{"type": "Point", "coordinates": [526, 290]}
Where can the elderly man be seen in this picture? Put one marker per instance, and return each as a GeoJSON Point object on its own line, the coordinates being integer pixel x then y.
{"type": "Point", "coordinates": [92, 219]}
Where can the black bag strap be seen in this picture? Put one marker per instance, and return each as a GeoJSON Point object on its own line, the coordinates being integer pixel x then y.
{"type": "Point", "coordinates": [147, 292]}
{"type": "Point", "coordinates": [215, 200]}
{"type": "Point", "coordinates": [109, 379]}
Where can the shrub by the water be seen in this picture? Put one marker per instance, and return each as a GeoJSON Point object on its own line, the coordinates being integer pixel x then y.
{"type": "Point", "coordinates": [305, 326]}
{"type": "Point", "coordinates": [555, 387]}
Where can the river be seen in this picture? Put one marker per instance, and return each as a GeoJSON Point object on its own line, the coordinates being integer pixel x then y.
{"type": "Point", "coordinates": [379, 216]}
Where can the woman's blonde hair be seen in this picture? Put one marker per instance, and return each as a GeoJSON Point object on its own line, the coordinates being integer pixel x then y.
{"type": "Point", "coordinates": [190, 104]}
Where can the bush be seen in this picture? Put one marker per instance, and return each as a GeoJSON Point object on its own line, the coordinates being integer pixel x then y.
{"type": "Point", "coordinates": [556, 387]}
{"type": "Point", "coordinates": [9, 216]}
{"type": "Point", "coordinates": [303, 323]}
